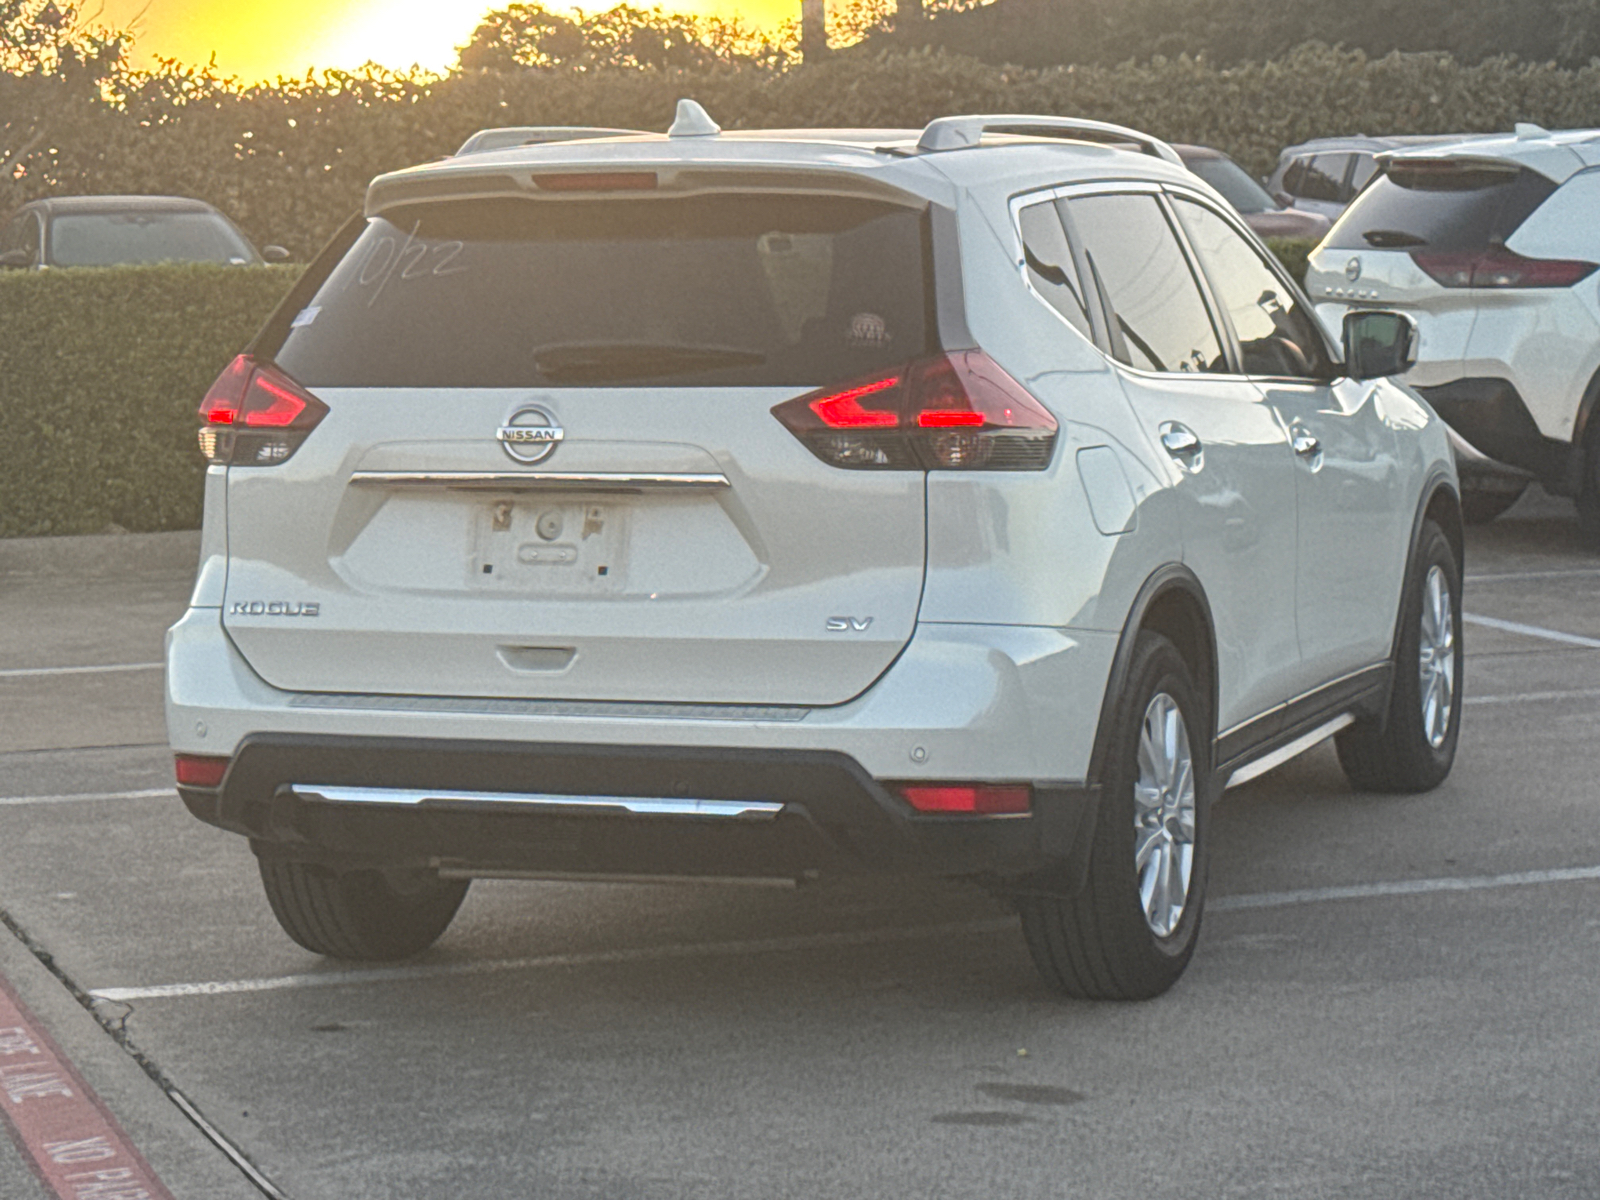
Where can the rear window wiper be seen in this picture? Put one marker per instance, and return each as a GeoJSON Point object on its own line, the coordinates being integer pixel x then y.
{"type": "Point", "coordinates": [1392, 239]}
{"type": "Point", "coordinates": [599, 362]}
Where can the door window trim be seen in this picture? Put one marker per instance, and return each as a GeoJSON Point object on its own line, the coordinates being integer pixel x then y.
{"type": "Point", "coordinates": [1223, 331]}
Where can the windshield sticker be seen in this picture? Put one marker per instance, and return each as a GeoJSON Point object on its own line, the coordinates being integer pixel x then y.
{"type": "Point", "coordinates": [305, 316]}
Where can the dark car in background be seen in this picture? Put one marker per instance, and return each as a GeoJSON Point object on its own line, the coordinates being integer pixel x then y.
{"type": "Point", "coordinates": [1266, 217]}
{"type": "Point", "coordinates": [105, 231]}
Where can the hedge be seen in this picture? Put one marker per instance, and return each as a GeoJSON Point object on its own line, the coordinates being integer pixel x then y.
{"type": "Point", "coordinates": [101, 371]}
{"type": "Point", "coordinates": [290, 162]}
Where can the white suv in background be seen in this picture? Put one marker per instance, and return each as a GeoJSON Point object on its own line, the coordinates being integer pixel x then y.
{"type": "Point", "coordinates": [975, 501]}
{"type": "Point", "coordinates": [1492, 245]}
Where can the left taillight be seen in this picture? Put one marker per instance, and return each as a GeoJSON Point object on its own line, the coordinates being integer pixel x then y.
{"type": "Point", "coordinates": [256, 416]}
{"type": "Point", "coordinates": [952, 412]}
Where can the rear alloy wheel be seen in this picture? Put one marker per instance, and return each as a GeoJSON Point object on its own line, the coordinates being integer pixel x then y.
{"type": "Point", "coordinates": [363, 914]}
{"type": "Point", "coordinates": [1414, 751]}
{"type": "Point", "coordinates": [1130, 932]}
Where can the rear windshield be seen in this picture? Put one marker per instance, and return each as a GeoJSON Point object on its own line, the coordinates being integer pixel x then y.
{"type": "Point", "coordinates": [1237, 188]}
{"type": "Point", "coordinates": [1441, 205]}
{"type": "Point", "coordinates": [106, 239]}
{"type": "Point", "coordinates": [721, 290]}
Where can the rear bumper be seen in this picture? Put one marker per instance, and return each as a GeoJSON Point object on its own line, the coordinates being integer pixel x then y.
{"type": "Point", "coordinates": [977, 703]}
{"type": "Point", "coordinates": [1491, 416]}
{"type": "Point", "coordinates": [835, 819]}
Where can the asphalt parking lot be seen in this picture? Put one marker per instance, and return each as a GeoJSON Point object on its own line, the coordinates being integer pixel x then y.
{"type": "Point", "coordinates": [1393, 997]}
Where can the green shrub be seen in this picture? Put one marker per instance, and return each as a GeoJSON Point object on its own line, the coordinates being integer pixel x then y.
{"type": "Point", "coordinates": [101, 371]}
{"type": "Point", "coordinates": [1292, 253]}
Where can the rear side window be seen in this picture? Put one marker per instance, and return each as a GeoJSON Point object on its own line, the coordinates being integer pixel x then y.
{"type": "Point", "coordinates": [1050, 267]}
{"type": "Point", "coordinates": [1441, 205]}
{"type": "Point", "coordinates": [1160, 320]}
{"type": "Point", "coordinates": [1321, 178]}
{"type": "Point", "coordinates": [721, 290]}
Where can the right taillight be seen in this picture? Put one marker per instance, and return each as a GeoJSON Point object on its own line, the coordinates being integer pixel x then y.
{"type": "Point", "coordinates": [952, 412]}
{"type": "Point", "coordinates": [255, 415]}
{"type": "Point", "coordinates": [1498, 267]}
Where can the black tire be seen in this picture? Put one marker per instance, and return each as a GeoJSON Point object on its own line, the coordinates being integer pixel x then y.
{"type": "Point", "coordinates": [1400, 756]}
{"type": "Point", "coordinates": [1589, 494]}
{"type": "Point", "coordinates": [1099, 944]}
{"type": "Point", "coordinates": [364, 914]}
{"type": "Point", "coordinates": [1481, 507]}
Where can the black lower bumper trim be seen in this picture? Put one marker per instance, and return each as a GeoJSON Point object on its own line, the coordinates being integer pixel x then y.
{"type": "Point", "coordinates": [837, 819]}
{"type": "Point", "coordinates": [1491, 414]}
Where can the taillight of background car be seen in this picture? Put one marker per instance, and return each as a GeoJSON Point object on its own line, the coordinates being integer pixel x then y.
{"type": "Point", "coordinates": [256, 416]}
{"type": "Point", "coordinates": [957, 411]}
{"type": "Point", "coordinates": [1498, 267]}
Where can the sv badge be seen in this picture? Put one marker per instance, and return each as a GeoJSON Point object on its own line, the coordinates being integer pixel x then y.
{"type": "Point", "coordinates": [848, 624]}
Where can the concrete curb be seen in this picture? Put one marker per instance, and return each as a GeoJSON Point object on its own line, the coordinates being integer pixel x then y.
{"type": "Point", "coordinates": [189, 1164]}
{"type": "Point", "coordinates": [101, 554]}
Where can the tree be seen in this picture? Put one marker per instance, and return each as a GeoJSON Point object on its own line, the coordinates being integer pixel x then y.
{"type": "Point", "coordinates": [58, 77]}
{"type": "Point", "coordinates": [523, 36]}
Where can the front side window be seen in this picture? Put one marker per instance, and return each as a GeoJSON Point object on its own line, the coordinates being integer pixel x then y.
{"type": "Point", "coordinates": [21, 234]}
{"type": "Point", "coordinates": [1276, 334]}
{"type": "Point", "coordinates": [1050, 267]}
{"type": "Point", "coordinates": [703, 291]}
{"type": "Point", "coordinates": [1160, 321]}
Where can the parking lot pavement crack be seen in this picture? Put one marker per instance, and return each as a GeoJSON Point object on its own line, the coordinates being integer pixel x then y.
{"type": "Point", "coordinates": [112, 1016]}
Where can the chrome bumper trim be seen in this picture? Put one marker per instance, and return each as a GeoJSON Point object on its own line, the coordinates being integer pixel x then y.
{"type": "Point", "coordinates": [646, 806]}
{"type": "Point", "coordinates": [542, 481]}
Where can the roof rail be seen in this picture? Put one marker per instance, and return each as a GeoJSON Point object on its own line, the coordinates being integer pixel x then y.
{"type": "Point", "coordinates": [510, 136]}
{"type": "Point", "coordinates": [954, 133]}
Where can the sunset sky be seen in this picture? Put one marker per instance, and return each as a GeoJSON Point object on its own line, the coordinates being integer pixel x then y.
{"type": "Point", "coordinates": [257, 39]}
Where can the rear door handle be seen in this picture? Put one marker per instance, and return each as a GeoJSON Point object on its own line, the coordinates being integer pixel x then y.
{"type": "Point", "coordinates": [1183, 444]}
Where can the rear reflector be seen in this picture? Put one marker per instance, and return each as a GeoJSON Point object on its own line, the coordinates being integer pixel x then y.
{"type": "Point", "coordinates": [200, 770]}
{"type": "Point", "coordinates": [255, 415]}
{"type": "Point", "coordinates": [1498, 267]}
{"type": "Point", "coordinates": [957, 411]}
{"type": "Point", "coordinates": [981, 799]}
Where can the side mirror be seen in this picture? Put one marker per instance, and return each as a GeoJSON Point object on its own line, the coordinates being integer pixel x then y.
{"type": "Point", "coordinates": [16, 259]}
{"type": "Point", "coordinates": [1379, 344]}
{"type": "Point", "coordinates": [275, 254]}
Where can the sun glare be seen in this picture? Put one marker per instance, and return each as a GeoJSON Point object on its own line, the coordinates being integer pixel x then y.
{"type": "Point", "coordinates": [255, 40]}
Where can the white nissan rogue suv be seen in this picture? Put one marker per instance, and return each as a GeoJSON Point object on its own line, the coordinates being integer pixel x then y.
{"type": "Point", "coordinates": [1492, 245]}
{"type": "Point", "coordinates": [975, 502]}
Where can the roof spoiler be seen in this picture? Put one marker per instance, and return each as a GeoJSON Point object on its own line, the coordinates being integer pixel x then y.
{"type": "Point", "coordinates": [511, 136]}
{"type": "Point", "coordinates": [955, 133]}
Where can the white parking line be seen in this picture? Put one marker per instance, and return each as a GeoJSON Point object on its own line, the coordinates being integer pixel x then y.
{"type": "Point", "coordinates": [1536, 697]}
{"type": "Point", "coordinates": [142, 794]}
{"type": "Point", "coordinates": [1538, 631]}
{"type": "Point", "coordinates": [1562, 573]}
{"type": "Point", "coordinates": [1357, 891]}
{"type": "Point", "coordinates": [36, 672]}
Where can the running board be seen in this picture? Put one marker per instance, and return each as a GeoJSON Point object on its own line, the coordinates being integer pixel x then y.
{"type": "Point", "coordinates": [538, 802]}
{"type": "Point", "coordinates": [1284, 753]}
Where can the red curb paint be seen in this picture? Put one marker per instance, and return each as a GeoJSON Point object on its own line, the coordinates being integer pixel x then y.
{"type": "Point", "coordinates": [74, 1144]}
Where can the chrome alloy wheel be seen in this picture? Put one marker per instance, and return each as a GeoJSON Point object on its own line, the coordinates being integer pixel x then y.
{"type": "Point", "coordinates": [1163, 815]}
{"type": "Point", "coordinates": [1437, 657]}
